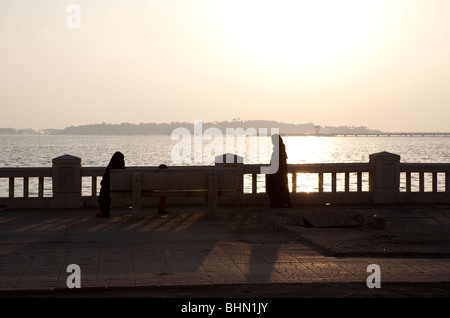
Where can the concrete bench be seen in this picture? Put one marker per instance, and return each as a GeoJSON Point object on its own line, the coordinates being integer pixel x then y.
{"type": "Point", "coordinates": [208, 182]}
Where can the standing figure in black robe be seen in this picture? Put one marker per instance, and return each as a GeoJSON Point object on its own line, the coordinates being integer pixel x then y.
{"type": "Point", "coordinates": [117, 162]}
{"type": "Point", "coordinates": [277, 182]}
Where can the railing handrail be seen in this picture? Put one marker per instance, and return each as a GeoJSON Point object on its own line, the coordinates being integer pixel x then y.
{"type": "Point", "coordinates": [424, 167]}
{"type": "Point", "coordinates": [247, 168]}
{"type": "Point", "coordinates": [25, 172]}
{"type": "Point", "coordinates": [329, 167]}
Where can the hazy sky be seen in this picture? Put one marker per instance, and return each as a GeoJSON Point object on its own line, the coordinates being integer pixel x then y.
{"type": "Point", "coordinates": [384, 64]}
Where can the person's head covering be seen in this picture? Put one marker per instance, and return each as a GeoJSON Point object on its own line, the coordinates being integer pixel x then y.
{"type": "Point", "coordinates": [279, 144]}
{"type": "Point", "coordinates": [277, 138]}
{"type": "Point", "coordinates": [117, 161]}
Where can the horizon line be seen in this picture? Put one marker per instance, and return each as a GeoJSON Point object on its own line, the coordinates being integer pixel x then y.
{"type": "Point", "coordinates": [238, 120]}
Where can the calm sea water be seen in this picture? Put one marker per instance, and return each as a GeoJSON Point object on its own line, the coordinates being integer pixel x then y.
{"type": "Point", "coordinates": [152, 150]}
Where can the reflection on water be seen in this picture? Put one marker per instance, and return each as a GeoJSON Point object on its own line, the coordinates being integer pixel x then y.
{"type": "Point", "coordinates": [153, 150]}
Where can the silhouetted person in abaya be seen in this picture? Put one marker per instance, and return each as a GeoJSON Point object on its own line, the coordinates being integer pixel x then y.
{"type": "Point", "coordinates": [117, 162]}
{"type": "Point", "coordinates": [277, 183]}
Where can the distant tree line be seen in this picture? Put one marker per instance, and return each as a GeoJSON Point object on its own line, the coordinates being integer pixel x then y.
{"type": "Point", "coordinates": [167, 128]}
{"type": "Point", "coordinates": [27, 131]}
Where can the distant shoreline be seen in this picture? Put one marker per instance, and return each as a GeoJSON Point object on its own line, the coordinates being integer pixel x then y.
{"type": "Point", "coordinates": [167, 128]}
{"type": "Point", "coordinates": [145, 129]}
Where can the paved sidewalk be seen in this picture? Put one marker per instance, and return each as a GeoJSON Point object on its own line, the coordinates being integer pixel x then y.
{"type": "Point", "coordinates": [250, 246]}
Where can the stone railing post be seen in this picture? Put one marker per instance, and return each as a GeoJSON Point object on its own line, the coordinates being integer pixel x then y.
{"type": "Point", "coordinates": [384, 180]}
{"type": "Point", "coordinates": [67, 182]}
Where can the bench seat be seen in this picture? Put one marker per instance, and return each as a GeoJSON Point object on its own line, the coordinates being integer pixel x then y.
{"type": "Point", "coordinates": [208, 182]}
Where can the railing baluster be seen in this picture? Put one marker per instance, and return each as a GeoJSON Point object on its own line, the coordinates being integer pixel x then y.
{"type": "Point", "coordinates": [408, 181]}
{"type": "Point", "coordinates": [434, 181]}
{"type": "Point", "coordinates": [347, 182]}
{"type": "Point", "coordinates": [26, 187]}
{"type": "Point", "coordinates": [447, 182]}
{"type": "Point", "coordinates": [41, 187]}
{"type": "Point", "coordinates": [11, 187]}
{"type": "Point", "coordinates": [294, 182]}
{"type": "Point", "coordinates": [320, 182]}
{"type": "Point", "coordinates": [421, 182]}
{"type": "Point", "coordinates": [94, 186]}
{"type": "Point", "coordinates": [333, 182]}
{"type": "Point", "coordinates": [359, 181]}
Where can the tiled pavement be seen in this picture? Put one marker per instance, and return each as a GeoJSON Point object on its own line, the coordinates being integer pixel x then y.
{"type": "Point", "coordinates": [185, 249]}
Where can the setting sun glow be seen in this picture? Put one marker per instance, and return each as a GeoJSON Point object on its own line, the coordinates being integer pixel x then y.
{"type": "Point", "coordinates": [298, 35]}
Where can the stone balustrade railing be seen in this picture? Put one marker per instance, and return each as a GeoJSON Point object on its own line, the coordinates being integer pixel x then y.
{"type": "Point", "coordinates": [383, 180]}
